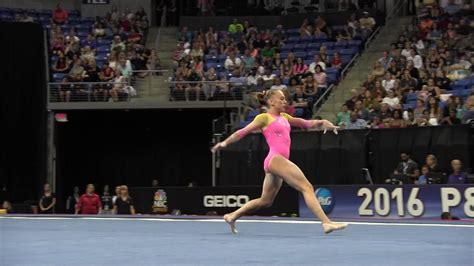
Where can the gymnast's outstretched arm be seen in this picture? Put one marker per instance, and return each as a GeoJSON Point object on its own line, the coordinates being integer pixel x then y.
{"type": "Point", "coordinates": [258, 123]}
{"type": "Point", "coordinates": [306, 124]}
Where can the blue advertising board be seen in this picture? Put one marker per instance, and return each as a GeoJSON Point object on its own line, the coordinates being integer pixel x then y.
{"type": "Point", "coordinates": [391, 201]}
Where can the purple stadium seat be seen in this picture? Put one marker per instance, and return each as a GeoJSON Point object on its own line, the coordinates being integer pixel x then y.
{"type": "Point", "coordinates": [313, 46]}
{"type": "Point", "coordinates": [287, 48]}
{"type": "Point", "coordinates": [293, 39]}
{"type": "Point", "coordinates": [300, 54]}
{"type": "Point", "coordinates": [301, 47]}
{"type": "Point", "coordinates": [329, 45]}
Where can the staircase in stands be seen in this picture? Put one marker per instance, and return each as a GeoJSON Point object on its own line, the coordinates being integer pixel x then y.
{"type": "Point", "coordinates": [155, 87]}
{"type": "Point", "coordinates": [358, 74]}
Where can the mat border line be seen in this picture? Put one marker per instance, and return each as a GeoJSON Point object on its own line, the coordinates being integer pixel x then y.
{"type": "Point", "coordinates": [240, 221]}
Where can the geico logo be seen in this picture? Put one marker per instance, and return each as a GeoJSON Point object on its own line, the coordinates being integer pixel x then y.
{"type": "Point", "coordinates": [225, 200]}
{"type": "Point", "coordinates": [325, 200]}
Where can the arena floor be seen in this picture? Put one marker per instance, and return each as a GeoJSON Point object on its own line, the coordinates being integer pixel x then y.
{"type": "Point", "coordinates": [63, 240]}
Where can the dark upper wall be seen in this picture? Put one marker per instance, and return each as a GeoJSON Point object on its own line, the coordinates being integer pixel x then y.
{"type": "Point", "coordinates": [263, 22]}
{"type": "Point", "coordinates": [86, 10]}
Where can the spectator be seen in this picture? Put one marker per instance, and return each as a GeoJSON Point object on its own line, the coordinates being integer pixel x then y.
{"type": "Point", "coordinates": [47, 200]}
{"type": "Point", "coordinates": [385, 114]}
{"type": "Point", "coordinates": [194, 85]}
{"type": "Point", "coordinates": [6, 205]}
{"type": "Point", "coordinates": [423, 178]}
{"type": "Point", "coordinates": [98, 31]}
{"type": "Point", "coordinates": [378, 70]}
{"type": "Point", "coordinates": [60, 15]}
{"type": "Point", "coordinates": [407, 81]}
{"type": "Point", "coordinates": [415, 58]}
{"type": "Point", "coordinates": [107, 201]}
{"type": "Point", "coordinates": [278, 85]}
{"type": "Point", "coordinates": [235, 26]}
{"type": "Point", "coordinates": [361, 111]}
{"type": "Point", "coordinates": [432, 163]}
{"type": "Point", "coordinates": [355, 122]}
{"type": "Point", "coordinates": [407, 167]}
{"type": "Point", "coordinates": [367, 23]}
{"type": "Point", "coordinates": [72, 200]}
{"type": "Point", "coordinates": [391, 99]}
{"type": "Point", "coordinates": [434, 110]}
{"type": "Point", "coordinates": [299, 68]}
{"type": "Point", "coordinates": [77, 72]}
{"type": "Point", "coordinates": [117, 44]}
{"type": "Point", "coordinates": [354, 98]}
{"type": "Point", "coordinates": [232, 62]}
{"type": "Point", "coordinates": [321, 79]}
{"type": "Point", "coordinates": [61, 65]}
{"type": "Point", "coordinates": [268, 51]}
{"type": "Point", "coordinates": [117, 194]}
{"type": "Point", "coordinates": [124, 203]}
{"type": "Point", "coordinates": [385, 60]}
{"type": "Point", "coordinates": [118, 88]}
{"type": "Point", "coordinates": [317, 61]}
{"type": "Point", "coordinates": [410, 119]}
{"type": "Point", "coordinates": [336, 61]}
{"type": "Point", "coordinates": [310, 88]}
{"type": "Point", "coordinates": [248, 61]}
{"type": "Point", "coordinates": [343, 117]}
{"type": "Point", "coordinates": [209, 88]}
{"type": "Point", "coordinates": [305, 28]}
{"type": "Point", "coordinates": [397, 120]}
{"type": "Point", "coordinates": [89, 203]}
{"type": "Point", "coordinates": [457, 176]}
{"type": "Point", "coordinates": [286, 70]}
{"type": "Point", "coordinates": [377, 123]}
{"type": "Point", "coordinates": [451, 119]}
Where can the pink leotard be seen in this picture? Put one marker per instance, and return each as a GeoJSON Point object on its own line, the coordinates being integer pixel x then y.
{"type": "Point", "coordinates": [277, 134]}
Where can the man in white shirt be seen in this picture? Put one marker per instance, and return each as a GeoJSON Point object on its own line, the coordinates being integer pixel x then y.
{"type": "Point", "coordinates": [277, 85]}
{"type": "Point", "coordinates": [417, 60]}
{"type": "Point", "coordinates": [366, 22]}
{"type": "Point", "coordinates": [232, 62]}
{"type": "Point", "coordinates": [317, 61]}
{"type": "Point", "coordinates": [391, 99]}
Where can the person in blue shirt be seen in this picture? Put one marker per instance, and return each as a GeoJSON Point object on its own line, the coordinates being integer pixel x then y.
{"type": "Point", "coordinates": [423, 178]}
{"type": "Point", "coordinates": [457, 177]}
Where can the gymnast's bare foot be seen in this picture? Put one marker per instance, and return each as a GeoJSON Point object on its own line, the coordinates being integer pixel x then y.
{"type": "Point", "coordinates": [329, 227]}
{"type": "Point", "coordinates": [231, 223]}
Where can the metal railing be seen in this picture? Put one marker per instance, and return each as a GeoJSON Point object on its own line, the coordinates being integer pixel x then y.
{"type": "Point", "coordinates": [207, 90]}
{"type": "Point", "coordinates": [141, 76]}
{"type": "Point", "coordinates": [322, 99]}
{"type": "Point", "coordinates": [88, 91]}
{"type": "Point", "coordinates": [394, 12]}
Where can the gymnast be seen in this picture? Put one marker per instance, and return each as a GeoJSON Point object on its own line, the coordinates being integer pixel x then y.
{"type": "Point", "coordinates": [276, 126]}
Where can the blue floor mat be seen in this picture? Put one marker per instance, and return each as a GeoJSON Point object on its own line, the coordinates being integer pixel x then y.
{"type": "Point", "coordinates": [109, 241]}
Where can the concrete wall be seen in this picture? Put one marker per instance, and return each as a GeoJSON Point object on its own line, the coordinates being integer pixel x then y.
{"type": "Point", "coordinates": [40, 4]}
{"type": "Point", "coordinates": [86, 10]}
{"type": "Point", "coordinates": [100, 10]}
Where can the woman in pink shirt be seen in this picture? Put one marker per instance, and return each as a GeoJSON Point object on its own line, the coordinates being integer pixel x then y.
{"type": "Point", "coordinates": [320, 78]}
{"type": "Point", "coordinates": [300, 67]}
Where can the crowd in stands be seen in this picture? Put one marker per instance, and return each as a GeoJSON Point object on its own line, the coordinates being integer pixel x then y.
{"type": "Point", "coordinates": [425, 78]}
{"type": "Point", "coordinates": [409, 172]}
{"type": "Point", "coordinates": [102, 49]}
{"type": "Point", "coordinates": [244, 60]}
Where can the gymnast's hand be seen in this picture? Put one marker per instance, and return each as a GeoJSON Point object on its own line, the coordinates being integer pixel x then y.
{"type": "Point", "coordinates": [219, 146]}
{"type": "Point", "coordinates": [327, 125]}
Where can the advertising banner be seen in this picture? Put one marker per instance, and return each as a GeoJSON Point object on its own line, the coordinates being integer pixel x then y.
{"type": "Point", "coordinates": [391, 201]}
{"type": "Point", "coordinates": [202, 200]}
